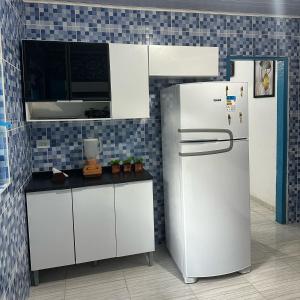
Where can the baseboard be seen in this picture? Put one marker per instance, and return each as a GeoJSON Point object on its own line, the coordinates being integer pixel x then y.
{"type": "Point", "coordinates": [262, 203]}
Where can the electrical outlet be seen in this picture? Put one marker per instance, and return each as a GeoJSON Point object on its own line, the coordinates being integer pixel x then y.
{"type": "Point", "coordinates": [43, 144]}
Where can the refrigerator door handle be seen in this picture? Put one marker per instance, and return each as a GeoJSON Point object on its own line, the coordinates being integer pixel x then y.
{"type": "Point", "coordinates": [227, 149]}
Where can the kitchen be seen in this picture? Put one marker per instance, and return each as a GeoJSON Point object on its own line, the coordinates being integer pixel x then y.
{"type": "Point", "coordinates": [34, 143]}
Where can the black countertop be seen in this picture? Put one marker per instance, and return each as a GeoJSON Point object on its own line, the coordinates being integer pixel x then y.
{"type": "Point", "coordinates": [41, 181]}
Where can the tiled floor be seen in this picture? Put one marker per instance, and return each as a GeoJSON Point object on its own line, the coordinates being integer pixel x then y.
{"type": "Point", "coordinates": [275, 273]}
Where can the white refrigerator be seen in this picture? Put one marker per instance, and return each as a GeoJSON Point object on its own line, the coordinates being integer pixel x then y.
{"type": "Point", "coordinates": [206, 177]}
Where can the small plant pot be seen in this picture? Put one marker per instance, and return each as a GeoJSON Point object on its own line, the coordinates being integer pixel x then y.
{"type": "Point", "coordinates": [138, 167]}
{"type": "Point", "coordinates": [127, 168]}
{"type": "Point", "coordinates": [115, 169]}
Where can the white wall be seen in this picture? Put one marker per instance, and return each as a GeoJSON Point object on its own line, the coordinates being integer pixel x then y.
{"type": "Point", "coordinates": [262, 136]}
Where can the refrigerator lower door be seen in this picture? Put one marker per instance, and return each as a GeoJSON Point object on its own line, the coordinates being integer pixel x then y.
{"type": "Point", "coordinates": [216, 209]}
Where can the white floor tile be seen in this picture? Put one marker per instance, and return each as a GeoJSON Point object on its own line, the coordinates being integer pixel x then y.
{"type": "Point", "coordinates": [115, 290]}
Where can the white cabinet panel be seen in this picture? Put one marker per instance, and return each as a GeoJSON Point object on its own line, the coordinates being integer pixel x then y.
{"type": "Point", "coordinates": [129, 81]}
{"type": "Point", "coordinates": [183, 61]}
{"type": "Point", "coordinates": [50, 225]}
{"type": "Point", "coordinates": [94, 223]}
{"type": "Point", "coordinates": [134, 218]}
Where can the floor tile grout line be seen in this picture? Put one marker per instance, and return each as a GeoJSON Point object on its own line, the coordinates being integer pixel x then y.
{"type": "Point", "coordinates": [65, 290]}
{"type": "Point", "coordinates": [127, 288]}
{"type": "Point", "coordinates": [259, 292]}
{"type": "Point", "coordinates": [193, 292]}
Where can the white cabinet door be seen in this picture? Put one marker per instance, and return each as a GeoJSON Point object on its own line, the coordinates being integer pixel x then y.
{"type": "Point", "coordinates": [129, 81]}
{"type": "Point", "coordinates": [50, 225]}
{"type": "Point", "coordinates": [183, 61]}
{"type": "Point", "coordinates": [134, 218]}
{"type": "Point", "coordinates": [94, 223]}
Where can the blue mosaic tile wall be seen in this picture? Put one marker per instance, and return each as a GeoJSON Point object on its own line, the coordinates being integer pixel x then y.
{"type": "Point", "coordinates": [14, 266]}
{"type": "Point", "coordinates": [234, 35]}
{"type": "Point", "coordinates": [4, 170]}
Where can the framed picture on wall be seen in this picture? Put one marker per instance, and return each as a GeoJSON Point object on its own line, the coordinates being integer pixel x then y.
{"type": "Point", "coordinates": [264, 78]}
{"type": "Point", "coordinates": [231, 68]}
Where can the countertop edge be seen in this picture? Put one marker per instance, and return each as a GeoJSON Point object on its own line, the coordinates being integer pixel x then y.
{"type": "Point", "coordinates": [78, 181]}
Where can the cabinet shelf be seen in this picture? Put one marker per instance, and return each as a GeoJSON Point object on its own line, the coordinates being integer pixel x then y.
{"type": "Point", "coordinates": [68, 110]}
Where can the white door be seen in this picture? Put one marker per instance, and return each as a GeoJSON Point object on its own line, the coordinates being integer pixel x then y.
{"type": "Point", "coordinates": [50, 226]}
{"type": "Point", "coordinates": [129, 78]}
{"type": "Point", "coordinates": [134, 218]}
{"type": "Point", "coordinates": [94, 223]}
{"type": "Point", "coordinates": [206, 106]}
{"type": "Point", "coordinates": [215, 191]}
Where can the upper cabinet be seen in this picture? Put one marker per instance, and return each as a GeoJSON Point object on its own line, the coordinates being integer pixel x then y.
{"type": "Point", "coordinates": [79, 81]}
{"type": "Point", "coordinates": [183, 61]}
{"type": "Point", "coordinates": [129, 81]}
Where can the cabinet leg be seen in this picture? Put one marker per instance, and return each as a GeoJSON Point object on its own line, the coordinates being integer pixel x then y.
{"type": "Point", "coordinates": [245, 271]}
{"type": "Point", "coordinates": [149, 257]}
{"type": "Point", "coordinates": [95, 263]}
{"type": "Point", "coordinates": [35, 278]}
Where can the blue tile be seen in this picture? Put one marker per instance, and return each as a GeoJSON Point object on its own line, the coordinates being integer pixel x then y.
{"type": "Point", "coordinates": [241, 25]}
{"type": "Point", "coordinates": [58, 33]}
{"type": "Point", "coordinates": [213, 23]}
{"type": "Point", "coordinates": [263, 46]}
{"type": "Point", "coordinates": [56, 15]}
{"type": "Point", "coordinates": [239, 45]}
{"type": "Point", "coordinates": [264, 25]}
{"type": "Point", "coordinates": [92, 35]}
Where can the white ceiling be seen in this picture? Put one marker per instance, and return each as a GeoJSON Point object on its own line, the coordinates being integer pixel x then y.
{"type": "Point", "coordinates": [273, 7]}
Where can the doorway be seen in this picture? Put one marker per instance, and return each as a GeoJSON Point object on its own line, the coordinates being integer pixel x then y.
{"type": "Point", "coordinates": [268, 123]}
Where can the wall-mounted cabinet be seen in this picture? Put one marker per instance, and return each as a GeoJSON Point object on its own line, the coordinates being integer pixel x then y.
{"type": "Point", "coordinates": [80, 81]}
{"type": "Point", "coordinates": [183, 61]}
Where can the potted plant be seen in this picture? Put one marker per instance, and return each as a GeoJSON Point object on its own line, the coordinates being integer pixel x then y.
{"type": "Point", "coordinates": [138, 164]}
{"type": "Point", "coordinates": [127, 163]}
{"type": "Point", "coordinates": [115, 166]}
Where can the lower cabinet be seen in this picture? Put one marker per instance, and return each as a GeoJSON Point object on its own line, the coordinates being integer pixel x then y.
{"type": "Point", "coordinates": [50, 227]}
{"type": "Point", "coordinates": [134, 218]}
{"type": "Point", "coordinates": [91, 223]}
{"type": "Point", "coordinates": [94, 223]}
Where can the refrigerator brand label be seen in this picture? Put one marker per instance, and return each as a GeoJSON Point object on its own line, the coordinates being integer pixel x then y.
{"type": "Point", "coordinates": [230, 103]}
{"type": "Point", "coordinates": [231, 98]}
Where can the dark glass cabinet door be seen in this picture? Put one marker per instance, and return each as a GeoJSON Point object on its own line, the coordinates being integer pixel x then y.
{"type": "Point", "coordinates": [89, 72]}
{"type": "Point", "coordinates": [45, 71]}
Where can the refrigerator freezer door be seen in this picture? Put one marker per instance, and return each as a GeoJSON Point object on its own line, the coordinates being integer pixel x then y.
{"type": "Point", "coordinates": [216, 209]}
{"type": "Point", "coordinates": [215, 105]}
